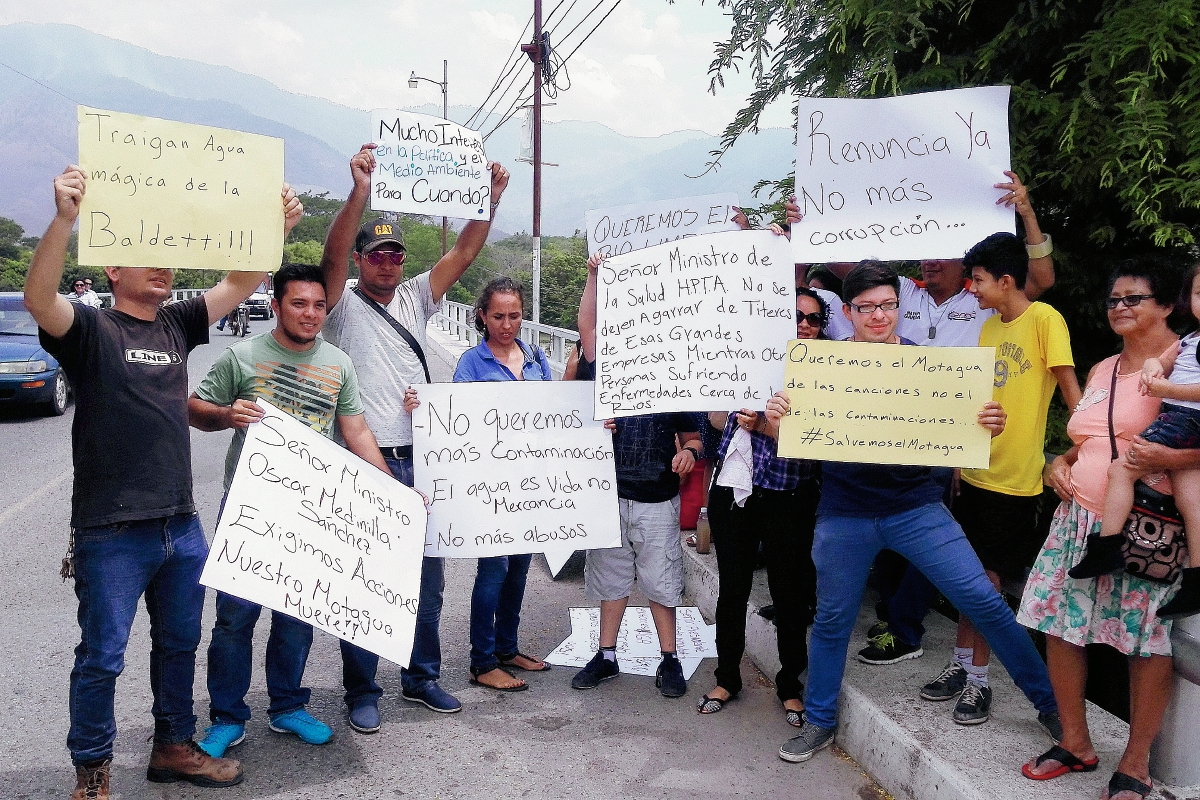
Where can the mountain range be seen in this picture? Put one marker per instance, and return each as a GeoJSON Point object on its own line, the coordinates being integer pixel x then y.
{"type": "Point", "coordinates": [53, 67]}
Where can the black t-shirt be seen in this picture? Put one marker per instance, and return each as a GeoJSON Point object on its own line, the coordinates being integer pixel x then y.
{"type": "Point", "coordinates": [130, 441]}
{"type": "Point", "coordinates": [644, 447]}
{"type": "Point", "coordinates": [586, 370]}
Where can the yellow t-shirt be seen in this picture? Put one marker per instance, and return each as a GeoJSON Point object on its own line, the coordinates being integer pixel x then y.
{"type": "Point", "coordinates": [1026, 350]}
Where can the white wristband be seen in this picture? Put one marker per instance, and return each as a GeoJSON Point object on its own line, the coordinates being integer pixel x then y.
{"type": "Point", "coordinates": [1041, 249]}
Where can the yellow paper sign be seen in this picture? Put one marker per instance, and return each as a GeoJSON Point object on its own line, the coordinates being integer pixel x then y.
{"type": "Point", "coordinates": [886, 404]}
{"type": "Point", "coordinates": [171, 194]}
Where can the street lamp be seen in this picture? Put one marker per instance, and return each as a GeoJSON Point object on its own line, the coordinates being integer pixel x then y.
{"type": "Point", "coordinates": [444, 85]}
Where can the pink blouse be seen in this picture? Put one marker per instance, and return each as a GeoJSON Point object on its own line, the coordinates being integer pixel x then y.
{"type": "Point", "coordinates": [1088, 428]}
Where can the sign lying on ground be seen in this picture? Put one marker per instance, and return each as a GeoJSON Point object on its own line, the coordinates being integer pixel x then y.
{"type": "Point", "coordinates": [887, 404]}
{"type": "Point", "coordinates": [638, 650]}
{"type": "Point", "coordinates": [515, 467]}
{"type": "Point", "coordinates": [313, 531]}
{"type": "Point", "coordinates": [428, 165]}
{"type": "Point", "coordinates": [172, 194]}
{"type": "Point", "coordinates": [700, 324]}
{"type": "Point", "coordinates": [901, 177]}
{"type": "Point", "coordinates": [613, 231]}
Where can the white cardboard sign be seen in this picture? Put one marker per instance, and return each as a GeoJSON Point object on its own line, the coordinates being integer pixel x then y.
{"type": "Point", "coordinates": [897, 178]}
{"type": "Point", "coordinates": [428, 165]}
{"type": "Point", "coordinates": [638, 650]}
{"type": "Point", "coordinates": [514, 467]}
{"type": "Point", "coordinates": [701, 324]}
{"type": "Point", "coordinates": [313, 531]}
{"type": "Point", "coordinates": [623, 229]}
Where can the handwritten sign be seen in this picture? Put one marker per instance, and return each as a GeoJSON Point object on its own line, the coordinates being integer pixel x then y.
{"type": "Point", "coordinates": [699, 324]}
{"type": "Point", "coordinates": [313, 531]}
{"type": "Point", "coordinates": [886, 404]}
{"type": "Point", "coordinates": [172, 194]}
{"type": "Point", "coordinates": [428, 165]}
{"type": "Point", "coordinates": [638, 650]}
{"type": "Point", "coordinates": [900, 177]}
{"type": "Point", "coordinates": [515, 467]}
{"type": "Point", "coordinates": [613, 231]}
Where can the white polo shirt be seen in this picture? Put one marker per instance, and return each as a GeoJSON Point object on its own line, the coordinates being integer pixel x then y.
{"type": "Point", "coordinates": [955, 323]}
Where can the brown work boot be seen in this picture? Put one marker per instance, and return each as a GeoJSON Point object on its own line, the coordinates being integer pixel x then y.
{"type": "Point", "coordinates": [185, 761]}
{"type": "Point", "coordinates": [91, 783]}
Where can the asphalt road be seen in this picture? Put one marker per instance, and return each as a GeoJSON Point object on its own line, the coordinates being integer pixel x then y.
{"type": "Point", "coordinates": [622, 740]}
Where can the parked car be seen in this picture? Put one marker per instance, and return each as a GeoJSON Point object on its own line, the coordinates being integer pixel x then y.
{"type": "Point", "coordinates": [28, 374]}
{"type": "Point", "coordinates": [259, 305]}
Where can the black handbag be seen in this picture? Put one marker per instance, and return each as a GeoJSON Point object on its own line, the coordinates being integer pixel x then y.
{"type": "Point", "coordinates": [1153, 544]}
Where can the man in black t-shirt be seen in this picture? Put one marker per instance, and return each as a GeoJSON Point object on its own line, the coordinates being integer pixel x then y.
{"type": "Point", "coordinates": [135, 527]}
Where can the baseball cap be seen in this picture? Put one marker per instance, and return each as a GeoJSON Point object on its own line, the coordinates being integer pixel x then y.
{"type": "Point", "coordinates": [376, 232]}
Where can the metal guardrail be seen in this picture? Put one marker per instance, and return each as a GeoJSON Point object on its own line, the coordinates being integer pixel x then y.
{"type": "Point", "coordinates": [458, 320]}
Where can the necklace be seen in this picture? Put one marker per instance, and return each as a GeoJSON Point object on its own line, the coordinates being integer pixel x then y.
{"type": "Point", "coordinates": [929, 311]}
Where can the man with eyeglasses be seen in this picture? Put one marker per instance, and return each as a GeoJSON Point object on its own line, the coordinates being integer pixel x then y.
{"type": "Point", "coordinates": [381, 325]}
{"type": "Point", "coordinates": [83, 294]}
{"type": "Point", "coordinates": [867, 507]}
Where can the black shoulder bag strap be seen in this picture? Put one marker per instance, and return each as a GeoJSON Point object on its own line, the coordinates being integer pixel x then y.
{"type": "Point", "coordinates": [398, 328]}
{"type": "Point", "coordinates": [1112, 399]}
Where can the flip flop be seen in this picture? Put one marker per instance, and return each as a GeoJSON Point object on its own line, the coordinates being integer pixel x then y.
{"type": "Point", "coordinates": [711, 705]}
{"type": "Point", "coordinates": [508, 659]}
{"type": "Point", "coordinates": [1120, 782]}
{"type": "Point", "coordinates": [518, 688]}
{"type": "Point", "coordinates": [1067, 762]}
{"type": "Point", "coordinates": [793, 717]}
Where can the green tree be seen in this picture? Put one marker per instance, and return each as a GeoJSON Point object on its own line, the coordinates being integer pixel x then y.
{"type": "Point", "coordinates": [307, 252]}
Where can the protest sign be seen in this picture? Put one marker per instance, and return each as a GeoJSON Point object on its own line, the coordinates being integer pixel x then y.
{"type": "Point", "coordinates": [886, 404]}
{"type": "Point", "coordinates": [638, 650]}
{"type": "Point", "coordinates": [313, 531]}
{"type": "Point", "coordinates": [613, 231]}
{"type": "Point", "coordinates": [172, 194]}
{"type": "Point", "coordinates": [514, 467]}
{"type": "Point", "coordinates": [428, 165]}
{"type": "Point", "coordinates": [700, 324]}
{"type": "Point", "coordinates": [900, 177]}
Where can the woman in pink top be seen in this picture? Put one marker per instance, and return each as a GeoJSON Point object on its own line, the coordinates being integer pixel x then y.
{"type": "Point", "coordinates": [1116, 609]}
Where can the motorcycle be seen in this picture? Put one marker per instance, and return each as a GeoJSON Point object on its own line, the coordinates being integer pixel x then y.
{"type": "Point", "coordinates": [239, 321]}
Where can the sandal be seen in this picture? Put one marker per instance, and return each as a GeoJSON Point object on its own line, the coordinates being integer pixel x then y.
{"type": "Point", "coordinates": [793, 717]}
{"type": "Point", "coordinates": [1067, 762]}
{"type": "Point", "coordinates": [690, 541]}
{"type": "Point", "coordinates": [509, 659]}
{"type": "Point", "coordinates": [711, 705]}
{"type": "Point", "coordinates": [1120, 782]}
{"type": "Point", "coordinates": [520, 687]}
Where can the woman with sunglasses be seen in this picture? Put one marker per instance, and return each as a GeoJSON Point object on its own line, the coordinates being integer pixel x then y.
{"type": "Point", "coordinates": [1116, 609]}
{"type": "Point", "coordinates": [758, 498]}
{"type": "Point", "coordinates": [500, 580]}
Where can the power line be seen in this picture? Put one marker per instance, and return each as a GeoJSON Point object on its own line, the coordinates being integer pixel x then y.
{"type": "Point", "coordinates": [593, 30]}
{"type": "Point", "coordinates": [505, 70]}
{"type": "Point", "coordinates": [39, 83]}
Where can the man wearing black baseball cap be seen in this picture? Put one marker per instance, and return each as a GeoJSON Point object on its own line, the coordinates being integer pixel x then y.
{"type": "Point", "coordinates": [381, 324]}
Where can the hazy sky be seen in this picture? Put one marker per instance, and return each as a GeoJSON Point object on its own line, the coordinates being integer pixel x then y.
{"type": "Point", "coordinates": [644, 72]}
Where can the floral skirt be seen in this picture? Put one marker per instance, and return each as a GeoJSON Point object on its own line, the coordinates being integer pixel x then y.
{"type": "Point", "coordinates": [1115, 609]}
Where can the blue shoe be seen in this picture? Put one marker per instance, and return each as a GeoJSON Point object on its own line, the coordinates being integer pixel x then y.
{"type": "Point", "coordinates": [221, 736]}
{"type": "Point", "coordinates": [364, 717]}
{"type": "Point", "coordinates": [310, 729]}
{"type": "Point", "coordinates": [433, 697]}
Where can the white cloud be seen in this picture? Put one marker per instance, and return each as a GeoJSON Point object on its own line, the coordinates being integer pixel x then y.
{"type": "Point", "coordinates": [648, 62]}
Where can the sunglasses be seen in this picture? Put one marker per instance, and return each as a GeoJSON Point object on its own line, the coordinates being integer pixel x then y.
{"type": "Point", "coordinates": [1129, 300]}
{"type": "Point", "coordinates": [377, 257]}
{"type": "Point", "coordinates": [814, 320]}
{"type": "Point", "coordinates": [79, 286]}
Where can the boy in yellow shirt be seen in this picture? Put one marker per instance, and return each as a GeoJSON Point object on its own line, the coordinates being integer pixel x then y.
{"type": "Point", "coordinates": [997, 506]}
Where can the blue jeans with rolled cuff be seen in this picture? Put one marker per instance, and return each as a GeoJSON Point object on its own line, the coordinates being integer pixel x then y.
{"type": "Point", "coordinates": [496, 609]}
{"type": "Point", "coordinates": [115, 565]}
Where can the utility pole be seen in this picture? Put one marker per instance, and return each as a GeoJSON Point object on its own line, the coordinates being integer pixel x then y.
{"type": "Point", "coordinates": [444, 85]}
{"type": "Point", "coordinates": [534, 51]}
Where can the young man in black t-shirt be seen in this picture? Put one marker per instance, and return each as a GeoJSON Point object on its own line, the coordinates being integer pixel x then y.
{"type": "Point", "coordinates": [135, 527]}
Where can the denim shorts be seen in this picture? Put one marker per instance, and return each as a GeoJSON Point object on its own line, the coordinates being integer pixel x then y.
{"type": "Point", "coordinates": [1177, 427]}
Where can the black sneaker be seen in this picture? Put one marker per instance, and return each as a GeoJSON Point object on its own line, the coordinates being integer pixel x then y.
{"type": "Point", "coordinates": [669, 678]}
{"type": "Point", "coordinates": [1186, 600]}
{"type": "Point", "coordinates": [1051, 723]}
{"type": "Point", "coordinates": [878, 629]}
{"type": "Point", "coordinates": [1102, 556]}
{"type": "Point", "coordinates": [887, 649]}
{"type": "Point", "coordinates": [974, 705]}
{"type": "Point", "coordinates": [946, 686]}
{"type": "Point", "coordinates": [802, 747]}
{"type": "Point", "coordinates": [598, 670]}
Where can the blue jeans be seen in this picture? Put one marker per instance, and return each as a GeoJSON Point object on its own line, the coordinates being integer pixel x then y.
{"type": "Point", "coordinates": [230, 658]}
{"type": "Point", "coordinates": [114, 566]}
{"type": "Point", "coordinates": [496, 609]}
{"type": "Point", "coordinates": [932, 541]}
{"type": "Point", "coordinates": [425, 664]}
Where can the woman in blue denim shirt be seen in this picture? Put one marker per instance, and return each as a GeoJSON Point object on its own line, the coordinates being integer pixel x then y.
{"type": "Point", "coordinates": [500, 581]}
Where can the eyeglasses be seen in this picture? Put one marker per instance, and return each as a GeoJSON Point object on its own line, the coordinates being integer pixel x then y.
{"type": "Point", "coordinates": [377, 257]}
{"type": "Point", "coordinates": [1129, 300]}
{"type": "Point", "coordinates": [871, 308]}
{"type": "Point", "coordinates": [814, 320]}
